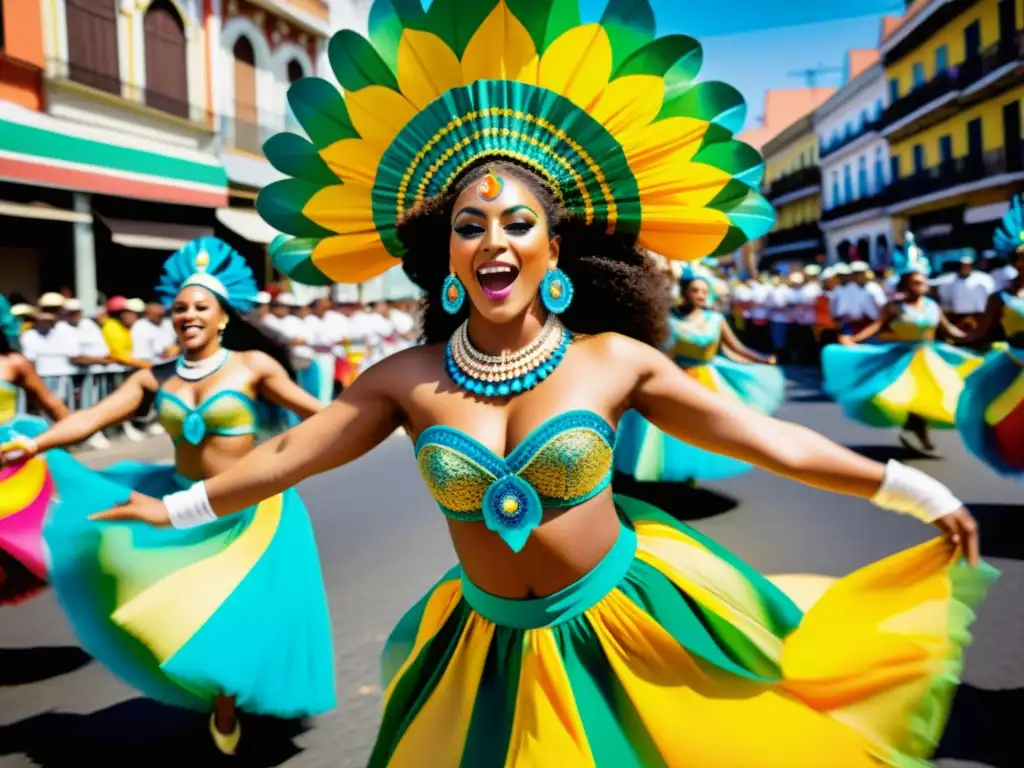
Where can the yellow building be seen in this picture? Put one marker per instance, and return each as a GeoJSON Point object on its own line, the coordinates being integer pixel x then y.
{"type": "Point", "coordinates": [955, 72]}
{"type": "Point", "coordinates": [792, 184]}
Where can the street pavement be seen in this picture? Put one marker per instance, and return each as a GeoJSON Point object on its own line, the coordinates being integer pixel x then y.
{"type": "Point", "coordinates": [383, 543]}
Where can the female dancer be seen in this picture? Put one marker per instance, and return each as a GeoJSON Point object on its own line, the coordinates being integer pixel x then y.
{"type": "Point", "coordinates": [648, 454]}
{"type": "Point", "coordinates": [228, 615]}
{"type": "Point", "coordinates": [990, 415]}
{"type": "Point", "coordinates": [580, 628]}
{"type": "Point", "coordinates": [909, 380]}
{"type": "Point", "coordinates": [23, 503]}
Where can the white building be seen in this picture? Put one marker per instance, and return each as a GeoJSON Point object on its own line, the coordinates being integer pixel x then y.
{"type": "Point", "coordinates": [854, 161]}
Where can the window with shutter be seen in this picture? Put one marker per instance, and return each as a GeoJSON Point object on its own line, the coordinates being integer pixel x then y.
{"type": "Point", "coordinates": [166, 61]}
{"type": "Point", "coordinates": [92, 44]}
{"type": "Point", "coordinates": [247, 130]}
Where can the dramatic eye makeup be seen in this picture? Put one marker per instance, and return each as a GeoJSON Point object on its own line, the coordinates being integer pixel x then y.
{"type": "Point", "coordinates": [525, 219]}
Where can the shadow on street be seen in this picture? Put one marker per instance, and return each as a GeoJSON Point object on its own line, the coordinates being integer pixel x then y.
{"type": "Point", "coordinates": [144, 732]}
{"type": "Point", "coordinates": [984, 727]}
{"type": "Point", "coordinates": [19, 666]}
{"type": "Point", "coordinates": [1002, 530]}
{"type": "Point", "coordinates": [896, 452]}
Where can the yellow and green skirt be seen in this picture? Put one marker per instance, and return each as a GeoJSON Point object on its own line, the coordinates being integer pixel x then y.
{"type": "Point", "coordinates": [880, 385]}
{"type": "Point", "coordinates": [990, 415]}
{"type": "Point", "coordinates": [673, 652]}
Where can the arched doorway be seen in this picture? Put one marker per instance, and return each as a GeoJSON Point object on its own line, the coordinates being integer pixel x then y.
{"type": "Point", "coordinates": [864, 249]}
{"type": "Point", "coordinates": [883, 259]}
{"type": "Point", "coordinates": [247, 129]}
{"type": "Point", "coordinates": [843, 250]}
{"type": "Point", "coordinates": [294, 72]}
{"type": "Point", "coordinates": [166, 59]}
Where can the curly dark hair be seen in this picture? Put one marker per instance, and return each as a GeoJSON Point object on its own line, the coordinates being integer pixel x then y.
{"type": "Point", "coordinates": [618, 287]}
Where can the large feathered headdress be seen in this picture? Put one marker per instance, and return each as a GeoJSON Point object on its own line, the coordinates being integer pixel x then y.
{"type": "Point", "coordinates": [608, 113]}
{"type": "Point", "coordinates": [1009, 236]}
{"type": "Point", "coordinates": [910, 258]}
{"type": "Point", "coordinates": [10, 327]}
{"type": "Point", "coordinates": [214, 265]}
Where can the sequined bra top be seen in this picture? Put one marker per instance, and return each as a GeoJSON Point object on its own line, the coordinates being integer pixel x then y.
{"type": "Point", "coordinates": [695, 341]}
{"type": "Point", "coordinates": [1013, 318]}
{"type": "Point", "coordinates": [227, 413]}
{"type": "Point", "coordinates": [8, 401]}
{"type": "Point", "coordinates": [563, 462]}
{"type": "Point", "coordinates": [913, 324]}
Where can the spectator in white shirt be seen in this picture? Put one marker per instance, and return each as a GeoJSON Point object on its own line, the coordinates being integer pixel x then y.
{"type": "Point", "coordinates": [965, 297]}
{"type": "Point", "coordinates": [778, 318]}
{"type": "Point", "coordinates": [260, 308]}
{"type": "Point", "coordinates": [853, 307]}
{"type": "Point", "coordinates": [153, 337]}
{"type": "Point", "coordinates": [863, 277]}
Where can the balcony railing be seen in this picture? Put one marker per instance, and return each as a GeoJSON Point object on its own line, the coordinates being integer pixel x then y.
{"type": "Point", "coordinates": [791, 182]}
{"type": "Point", "coordinates": [58, 71]}
{"type": "Point", "coordinates": [248, 134]}
{"type": "Point", "coordinates": [849, 136]}
{"type": "Point", "coordinates": [876, 199]}
{"type": "Point", "coordinates": [960, 170]}
{"type": "Point", "coordinates": [957, 78]}
{"type": "Point", "coordinates": [791, 235]}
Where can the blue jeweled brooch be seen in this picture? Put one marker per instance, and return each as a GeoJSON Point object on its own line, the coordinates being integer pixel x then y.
{"type": "Point", "coordinates": [512, 509]}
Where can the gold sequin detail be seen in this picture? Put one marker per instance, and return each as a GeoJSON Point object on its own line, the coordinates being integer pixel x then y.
{"type": "Point", "coordinates": [691, 351]}
{"type": "Point", "coordinates": [455, 482]}
{"type": "Point", "coordinates": [570, 465]}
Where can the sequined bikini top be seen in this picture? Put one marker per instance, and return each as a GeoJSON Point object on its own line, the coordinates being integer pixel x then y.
{"type": "Point", "coordinates": [913, 324]}
{"type": "Point", "coordinates": [563, 462]}
{"type": "Point", "coordinates": [695, 341]}
{"type": "Point", "coordinates": [8, 401]}
{"type": "Point", "coordinates": [1013, 318]}
{"type": "Point", "coordinates": [227, 412]}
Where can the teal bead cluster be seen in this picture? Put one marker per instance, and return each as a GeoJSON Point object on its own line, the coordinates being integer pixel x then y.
{"type": "Point", "coordinates": [509, 387]}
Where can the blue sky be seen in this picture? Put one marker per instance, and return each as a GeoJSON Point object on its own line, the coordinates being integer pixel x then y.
{"type": "Point", "coordinates": [754, 45]}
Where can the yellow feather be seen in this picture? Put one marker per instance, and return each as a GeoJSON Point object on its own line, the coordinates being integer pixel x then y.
{"type": "Point", "coordinates": [500, 49]}
{"type": "Point", "coordinates": [680, 137]}
{"type": "Point", "coordinates": [353, 160]}
{"type": "Point", "coordinates": [629, 104]}
{"type": "Point", "coordinates": [379, 113]}
{"type": "Point", "coordinates": [353, 258]}
{"type": "Point", "coordinates": [578, 64]}
{"type": "Point", "coordinates": [681, 233]}
{"type": "Point", "coordinates": [427, 67]}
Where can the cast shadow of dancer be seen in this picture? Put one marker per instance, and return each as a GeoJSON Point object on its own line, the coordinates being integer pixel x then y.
{"type": "Point", "coordinates": [21, 666]}
{"type": "Point", "coordinates": [984, 727]}
{"type": "Point", "coordinates": [144, 732]}
{"type": "Point", "coordinates": [683, 501]}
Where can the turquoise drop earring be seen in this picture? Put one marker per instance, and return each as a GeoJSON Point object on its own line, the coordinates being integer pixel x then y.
{"type": "Point", "coordinates": [453, 294]}
{"type": "Point", "coordinates": [556, 291]}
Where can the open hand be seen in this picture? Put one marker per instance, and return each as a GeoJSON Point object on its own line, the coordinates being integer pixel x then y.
{"type": "Point", "coordinates": [139, 508]}
{"type": "Point", "coordinates": [846, 341]}
{"type": "Point", "coordinates": [962, 529]}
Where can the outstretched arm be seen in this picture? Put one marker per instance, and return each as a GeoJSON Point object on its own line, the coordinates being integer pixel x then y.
{"type": "Point", "coordinates": [29, 380]}
{"type": "Point", "coordinates": [887, 314]}
{"type": "Point", "coordinates": [120, 405]}
{"type": "Point", "coordinates": [362, 418]}
{"type": "Point", "coordinates": [745, 354]}
{"type": "Point", "coordinates": [683, 408]}
{"type": "Point", "coordinates": [278, 388]}
{"type": "Point", "coordinates": [949, 329]}
{"type": "Point", "coordinates": [987, 320]}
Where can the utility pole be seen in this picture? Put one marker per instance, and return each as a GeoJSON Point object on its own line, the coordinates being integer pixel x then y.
{"type": "Point", "coordinates": [810, 75]}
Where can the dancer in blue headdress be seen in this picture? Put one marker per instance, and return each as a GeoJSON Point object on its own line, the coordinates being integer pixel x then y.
{"type": "Point", "coordinates": [990, 416]}
{"type": "Point", "coordinates": [908, 380]}
{"type": "Point", "coordinates": [698, 337]}
{"type": "Point", "coordinates": [212, 618]}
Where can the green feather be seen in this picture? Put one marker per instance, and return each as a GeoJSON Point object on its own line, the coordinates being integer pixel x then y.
{"type": "Point", "coordinates": [630, 26]}
{"type": "Point", "coordinates": [293, 156]}
{"type": "Point", "coordinates": [751, 214]}
{"type": "Point", "coordinates": [677, 58]}
{"type": "Point", "coordinates": [321, 111]}
{"type": "Point", "coordinates": [357, 64]}
{"type": "Point", "coordinates": [545, 20]}
{"type": "Point", "coordinates": [294, 257]}
{"type": "Point", "coordinates": [455, 21]}
{"type": "Point", "coordinates": [740, 160]}
{"type": "Point", "coordinates": [716, 103]}
{"type": "Point", "coordinates": [388, 19]}
{"type": "Point", "coordinates": [281, 203]}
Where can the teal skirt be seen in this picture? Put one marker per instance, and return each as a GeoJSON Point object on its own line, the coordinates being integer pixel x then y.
{"type": "Point", "coordinates": [234, 607]}
{"type": "Point", "coordinates": [990, 414]}
{"type": "Point", "coordinates": [25, 494]}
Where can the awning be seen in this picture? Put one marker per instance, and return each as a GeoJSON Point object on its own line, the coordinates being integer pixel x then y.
{"type": "Point", "coordinates": [42, 211]}
{"type": "Point", "coordinates": [40, 149]}
{"type": "Point", "coordinates": [248, 224]}
{"type": "Point", "coordinates": [155, 235]}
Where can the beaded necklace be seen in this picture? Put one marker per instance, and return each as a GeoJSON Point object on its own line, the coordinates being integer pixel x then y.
{"type": "Point", "coordinates": [510, 374]}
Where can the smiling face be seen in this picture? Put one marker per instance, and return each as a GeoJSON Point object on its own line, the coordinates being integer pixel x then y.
{"type": "Point", "coordinates": [500, 246]}
{"type": "Point", "coordinates": [696, 294]}
{"type": "Point", "coordinates": [197, 317]}
{"type": "Point", "coordinates": [916, 285]}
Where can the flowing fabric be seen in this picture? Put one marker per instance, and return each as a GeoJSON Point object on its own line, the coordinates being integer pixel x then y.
{"type": "Point", "coordinates": [236, 606]}
{"type": "Point", "coordinates": [880, 385]}
{"type": "Point", "coordinates": [649, 455]}
{"type": "Point", "coordinates": [990, 414]}
{"type": "Point", "coordinates": [25, 493]}
{"type": "Point", "coordinates": [673, 652]}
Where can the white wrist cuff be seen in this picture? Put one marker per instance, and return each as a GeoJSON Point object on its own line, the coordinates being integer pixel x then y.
{"type": "Point", "coordinates": [909, 491]}
{"type": "Point", "coordinates": [189, 508]}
